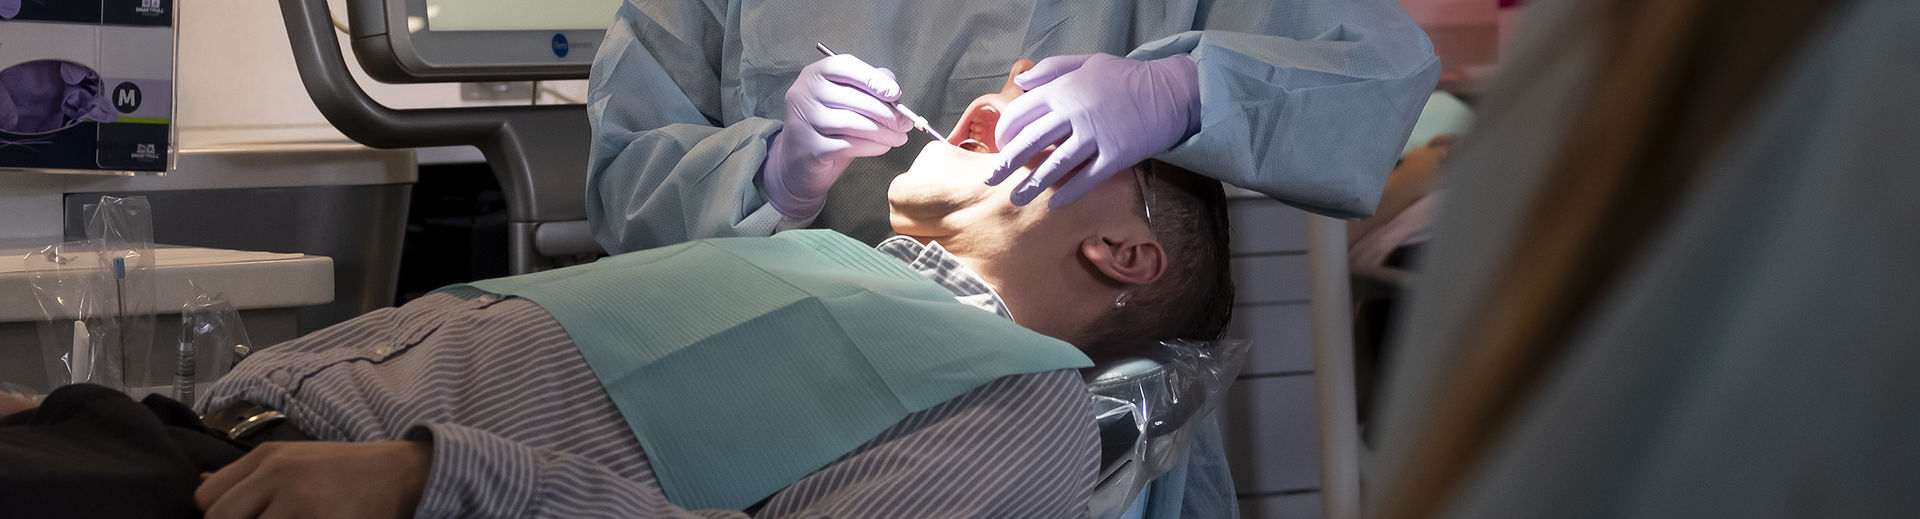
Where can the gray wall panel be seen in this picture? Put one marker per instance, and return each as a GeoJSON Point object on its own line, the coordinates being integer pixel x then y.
{"type": "Point", "coordinates": [1281, 335]}
{"type": "Point", "coordinates": [1270, 279]}
{"type": "Point", "coordinates": [1263, 226]}
{"type": "Point", "coordinates": [1289, 506]}
{"type": "Point", "coordinates": [1272, 440]}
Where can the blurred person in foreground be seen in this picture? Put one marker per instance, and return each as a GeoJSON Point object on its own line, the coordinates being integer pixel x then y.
{"type": "Point", "coordinates": [1674, 275]}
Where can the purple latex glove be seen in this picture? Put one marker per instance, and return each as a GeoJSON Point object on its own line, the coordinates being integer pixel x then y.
{"type": "Point", "coordinates": [49, 95]}
{"type": "Point", "coordinates": [1112, 111]}
{"type": "Point", "coordinates": [9, 115]}
{"type": "Point", "coordinates": [839, 109]}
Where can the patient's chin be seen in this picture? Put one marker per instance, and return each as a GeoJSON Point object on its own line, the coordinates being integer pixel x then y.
{"type": "Point", "coordinates": [923, 201]}
{"type": "Point", "coordinates": [943, 179]}
{"type": "Point", "coordinates": [932, 197]}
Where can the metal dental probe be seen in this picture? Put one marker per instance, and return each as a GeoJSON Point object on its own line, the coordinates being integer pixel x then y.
{"type": "Point", "coordinates": [918, 121]}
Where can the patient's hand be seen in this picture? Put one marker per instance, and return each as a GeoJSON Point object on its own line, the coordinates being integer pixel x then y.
{"type": "Point", "coordinates": [1417, 175]}
{"type": "Point", "coordinates": [320, 479]}
{"type": "Point", "coordinates": [10, 404]}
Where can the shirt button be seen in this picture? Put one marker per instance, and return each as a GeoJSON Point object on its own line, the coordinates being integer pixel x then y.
{"type": "Point", "coordinates": [383, 350]}
{"type": "Point", "coordinates": [488, 299]}
{"type": "Point", "coordinates": [280, 377]}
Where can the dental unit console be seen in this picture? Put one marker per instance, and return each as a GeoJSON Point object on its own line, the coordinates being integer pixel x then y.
{"type": "Point", "coordinates": [415, 41]}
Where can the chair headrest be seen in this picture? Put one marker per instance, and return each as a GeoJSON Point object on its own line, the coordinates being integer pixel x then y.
{"type": "Point", "coordinates": [1143, 406]}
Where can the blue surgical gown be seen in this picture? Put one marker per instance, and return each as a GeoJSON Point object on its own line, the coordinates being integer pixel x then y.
{"type": "Point", "coordinates": [1305, 101]}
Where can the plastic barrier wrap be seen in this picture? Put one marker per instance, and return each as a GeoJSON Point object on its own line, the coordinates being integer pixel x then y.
{"type": "Point", "coordinates": [97, 299]}
{"type": "Point", "coordinates": [212, 340]}
{"type": "Point", "coordinates": [1145, 406]}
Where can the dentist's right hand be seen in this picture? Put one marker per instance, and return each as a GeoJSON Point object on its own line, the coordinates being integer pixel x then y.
{"type": "Point", "coordinates": [839, 109]}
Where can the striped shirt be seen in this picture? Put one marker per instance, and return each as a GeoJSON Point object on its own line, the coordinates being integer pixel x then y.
{"type": "Point", "coordinates": [520, 427]}
{"type": "Point", "coordinates": [934, 262]}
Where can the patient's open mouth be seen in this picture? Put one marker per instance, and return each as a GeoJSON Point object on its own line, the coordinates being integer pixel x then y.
{"type": "Point", "coordinates": [975, 132]}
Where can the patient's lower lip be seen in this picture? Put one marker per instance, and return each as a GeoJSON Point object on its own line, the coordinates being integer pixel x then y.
{"type": "Point", "coordinates": [974, 146]}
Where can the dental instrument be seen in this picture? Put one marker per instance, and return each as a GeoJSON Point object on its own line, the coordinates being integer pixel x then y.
{"type": "Point", "coordinates": [120, 301]}
{"type": "Point", "coordinates": [183, 363]}
{"type": "Point", "coordinates": [918, 121]}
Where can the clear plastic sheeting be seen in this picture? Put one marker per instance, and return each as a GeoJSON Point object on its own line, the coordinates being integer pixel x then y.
{"type": "Point", "coordinates": [212, 340]}
{"type": "Point", "coordinates": [75, 293]}
{"type": "Point", "coordinates": [1146, 406]}
{"type": "Point", "coordinates": [97, 299]}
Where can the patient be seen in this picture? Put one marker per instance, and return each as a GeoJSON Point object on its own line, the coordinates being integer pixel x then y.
{"type": "Point", "coordinates": [1400, 225]}
{"type": "Point", "coordinates": [504, 399]}
{"type": "Point", "coordinates": [1090, 277]}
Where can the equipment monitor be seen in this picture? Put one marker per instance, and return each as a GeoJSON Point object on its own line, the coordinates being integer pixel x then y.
{"type": "Point", "coordinates": [410, 41]}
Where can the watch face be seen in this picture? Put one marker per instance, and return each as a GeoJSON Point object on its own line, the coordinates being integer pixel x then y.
{"type": "Point", "coordinates": [45, 96]}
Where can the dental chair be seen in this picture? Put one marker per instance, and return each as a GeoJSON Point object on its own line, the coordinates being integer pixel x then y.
{"type": "Point", "coordinates": [1147, 409]}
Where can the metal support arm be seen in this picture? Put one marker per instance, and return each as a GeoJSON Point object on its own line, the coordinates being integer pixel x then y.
{"type": "Point", "coordinates": [538, 153]}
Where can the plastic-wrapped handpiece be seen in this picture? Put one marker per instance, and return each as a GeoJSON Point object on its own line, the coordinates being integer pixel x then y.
{"type": "Point", "coordinates": [79, 324]}
{"type": "Point", "coordinates": [212, 334]}
{"type": "Point", "coordinates": [183, 383]}
{"type": "Point", "coordinates": [240, 353]}
{"type": "Point", "coordinates": [80, 359]}
{"type": "Point", "coordinates": [120, 232]}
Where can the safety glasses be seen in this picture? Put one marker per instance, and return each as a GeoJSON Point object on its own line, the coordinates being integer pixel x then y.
{"type": "Point", "coordinates": [1140, 176]}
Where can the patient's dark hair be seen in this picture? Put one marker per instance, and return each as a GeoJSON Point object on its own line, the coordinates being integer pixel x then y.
{"type": "Point", "coordinates": [1193, 299]}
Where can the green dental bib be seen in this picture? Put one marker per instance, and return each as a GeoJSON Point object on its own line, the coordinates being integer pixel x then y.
{"type": "Point", "coordinates": [744, 364]}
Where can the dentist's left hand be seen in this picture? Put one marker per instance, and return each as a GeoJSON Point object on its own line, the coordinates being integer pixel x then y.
{"type": "Point", "coordinates": [839, 109]}
{"type": "Point", "coordinates": [320, 479]}
{"type": "Point", "coordinates": [1106, 112]}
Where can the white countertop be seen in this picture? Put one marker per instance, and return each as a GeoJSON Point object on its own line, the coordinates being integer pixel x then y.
{"type": "Point", "coordinates": [248, 279]}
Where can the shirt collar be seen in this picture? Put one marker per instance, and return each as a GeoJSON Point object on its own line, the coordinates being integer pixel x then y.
{"type": "Point", "coordinates": [934, 262]}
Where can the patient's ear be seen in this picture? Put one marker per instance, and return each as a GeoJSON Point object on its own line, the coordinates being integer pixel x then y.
{"type": "Point", "coordinates": [1126, 260]}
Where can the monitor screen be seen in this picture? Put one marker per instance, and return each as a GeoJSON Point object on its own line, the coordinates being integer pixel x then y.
{"type": "Point", "coordinates": [519, 15]}
{"type": "Point", "coordinates": [479, 40]}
